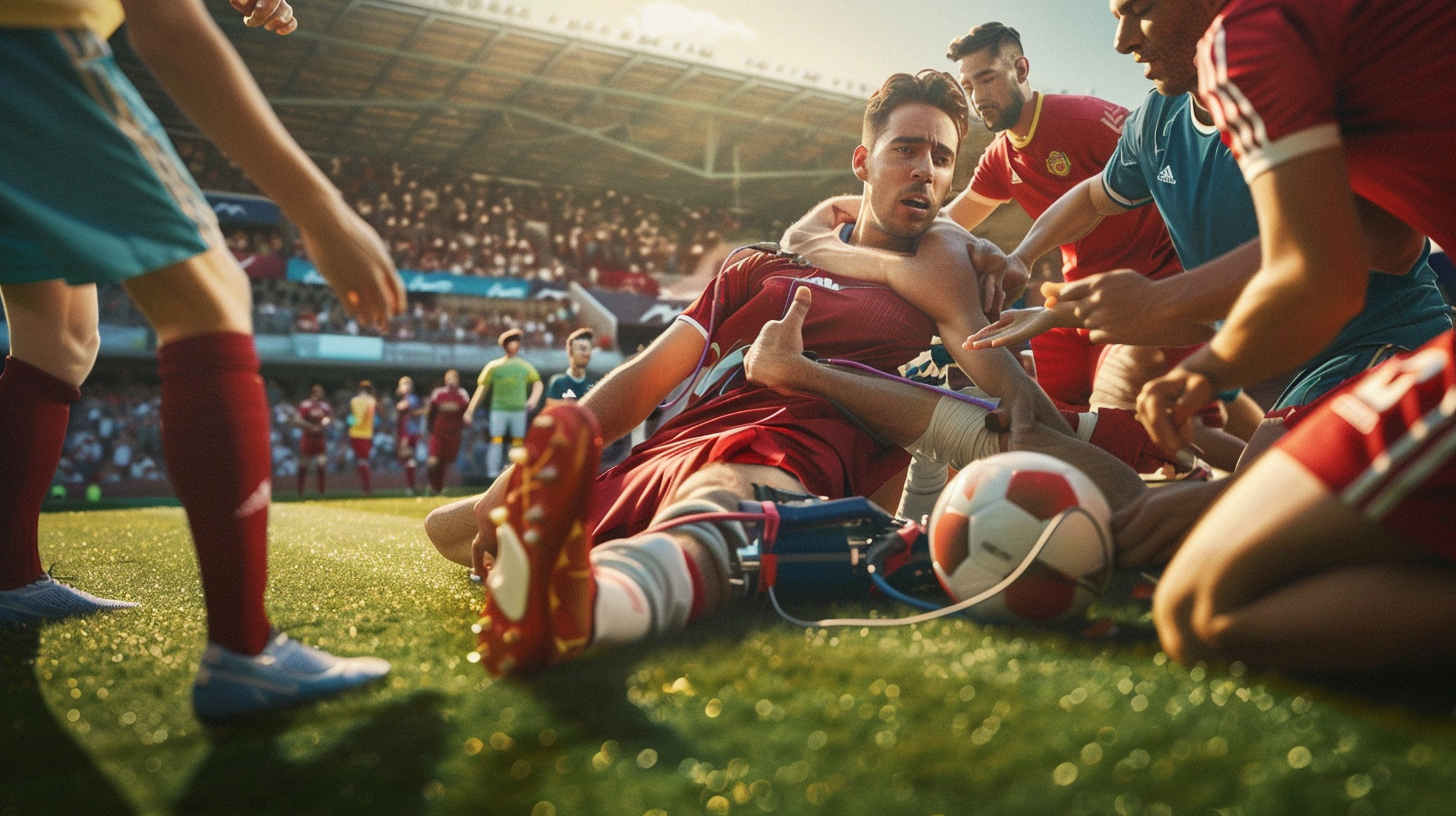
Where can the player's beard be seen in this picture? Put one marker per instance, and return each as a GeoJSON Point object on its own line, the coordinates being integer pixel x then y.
{"type": "Point", "coordinates": [1007, 117]}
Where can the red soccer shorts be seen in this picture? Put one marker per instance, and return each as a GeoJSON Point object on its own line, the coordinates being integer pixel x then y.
{"type": "Point", "coordinates": [362, 448]}
{"type": "Point", "coordinates": [444, 449]}
{"type": "Point", "coordinates": [311, 445]}
{"type": "Point", "coordinates": [1384, 443]}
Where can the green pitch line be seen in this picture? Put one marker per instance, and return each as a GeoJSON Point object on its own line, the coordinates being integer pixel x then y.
{"type": "Point", "coordinates": [744, 714]}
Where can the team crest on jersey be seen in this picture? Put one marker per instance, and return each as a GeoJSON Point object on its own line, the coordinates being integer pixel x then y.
{"type": "Point", "coordinates": [1058, 163]}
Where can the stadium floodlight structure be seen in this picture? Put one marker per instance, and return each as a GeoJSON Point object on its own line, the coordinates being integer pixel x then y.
{"type": "Point", "coordinates": [453, 85]}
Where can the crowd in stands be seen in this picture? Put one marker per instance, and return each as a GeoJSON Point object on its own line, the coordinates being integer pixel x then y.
{"type": "Point", "coordinates": [467, 224]}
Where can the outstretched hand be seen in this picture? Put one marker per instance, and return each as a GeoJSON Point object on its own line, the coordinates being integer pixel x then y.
{"type": "Point", "coordinates": [353, 259]}
{"type": "Point", "coordinates": [777, 354]}
{"type": "Point", "coordinates": [1015, 326]}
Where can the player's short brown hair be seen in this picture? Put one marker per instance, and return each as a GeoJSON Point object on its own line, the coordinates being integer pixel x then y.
{"type": "Point", "coordinates": [580, 334]}
{"type": "Point", "coordinates": [365, 385]}
{"type": "Point", "coordinates": [994, 36]}
{"type": "Point", "coordinates": [930, 87]}
{"type": "Point", "coordinates": [511, 334]}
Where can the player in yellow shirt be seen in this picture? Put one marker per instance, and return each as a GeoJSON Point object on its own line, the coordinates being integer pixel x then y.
{"type": "Point", "coordinates": [362, 409]}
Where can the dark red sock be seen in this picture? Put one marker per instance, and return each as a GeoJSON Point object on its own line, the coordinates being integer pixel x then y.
{"type": "Point", "coordinates": [437, 478]}
{"type": "Point", "coordinates": [302, 477]}
{"type": "Point", "coordinates": [215, 436]}
{"type": "Point", "coordinates": [321, 481]}
{"type": "Point", "coordinates": [409, 475]}
{"type": "Point", "coordinates": [364, 476]}
{"type": "Point", "coordinates": [34, 408]}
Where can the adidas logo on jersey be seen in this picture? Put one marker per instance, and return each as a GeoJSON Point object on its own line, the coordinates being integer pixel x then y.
{"type": "Point", "coordinates": [1015, 179]}
{"type": "Point", "coordinates": [1166, 175]}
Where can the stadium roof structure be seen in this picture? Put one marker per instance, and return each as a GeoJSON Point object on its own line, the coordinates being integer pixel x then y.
{"type": "Point", "coordinates": [461, 85]}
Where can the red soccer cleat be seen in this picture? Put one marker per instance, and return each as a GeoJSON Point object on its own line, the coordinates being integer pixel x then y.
{"type": "Point", "coordinates": [540, 594]}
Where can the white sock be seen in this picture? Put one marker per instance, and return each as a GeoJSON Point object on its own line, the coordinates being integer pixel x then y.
{"type": "Point", "coordinates": [643, 588]}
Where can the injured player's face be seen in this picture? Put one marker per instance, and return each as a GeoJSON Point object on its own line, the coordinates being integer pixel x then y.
{"type": "Point", "coordinates": [907, 175]}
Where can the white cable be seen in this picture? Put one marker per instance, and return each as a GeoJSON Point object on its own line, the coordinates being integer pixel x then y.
{"type": "Point", "coordinates": [985, 595]}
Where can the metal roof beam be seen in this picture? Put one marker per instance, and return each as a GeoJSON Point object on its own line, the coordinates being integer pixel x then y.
{"type": "Point", "coordinates": [460, 75]}
{"type": "Point", "coordinates": [414, 37]}
{"type": "Point", "coordinates": [717, 108]}
{"type": "Point", "coordinates": [595, 134]}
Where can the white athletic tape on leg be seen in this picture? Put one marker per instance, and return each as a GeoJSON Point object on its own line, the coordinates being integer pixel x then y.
{"type": "Point", "coordinates": [957, 434]}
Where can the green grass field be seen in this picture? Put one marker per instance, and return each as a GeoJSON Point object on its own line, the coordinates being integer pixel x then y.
{"type": "Point", "coordinates": [744, 714]}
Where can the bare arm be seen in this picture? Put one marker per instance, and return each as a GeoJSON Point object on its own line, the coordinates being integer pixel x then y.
{"type": "Point", "coordinates": [1311, 283]}
{"type": "Point", "coordinates": [627, 396]}
{"type": "Point", "coordinates": [942, 284]}
{"type": "Point", "coordinates": [969, 211]}
{"type": "Point", "coordinates": [816, 238]}
{"type": "Point", "coordinates": [535, 399]}
{"type": "Point", "coordinates": [480, 392]}
{"type": "Point", "coordinates": [621, 401]}
{"type": "Point", "coordinates": [202, 73]}
{"type": "Point", "coordinates": [1070, 217]}
{"type": "Point", "coordinates": [901, 412]}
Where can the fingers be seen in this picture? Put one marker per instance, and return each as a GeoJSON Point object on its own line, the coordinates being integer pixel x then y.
{"type": "Point", "coordinates": [994, 298]}
{"type": "Point", "coordinates": [1166, 407]}
{"type": "Point", "coordinates": [798, 308]}
{"type": "Point", "coordinates": [274, 15]}
{"type": "Point", "coordinates": [993, 336]}
{"type": "Point", "coordinates": [1051, 292]}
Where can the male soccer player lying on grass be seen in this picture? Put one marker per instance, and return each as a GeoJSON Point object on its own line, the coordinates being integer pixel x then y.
{"type": "Point", "coordinates": [549, 597]}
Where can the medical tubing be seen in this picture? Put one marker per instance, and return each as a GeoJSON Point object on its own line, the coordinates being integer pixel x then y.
{"type": "Point", "coordinates": [944, 392]}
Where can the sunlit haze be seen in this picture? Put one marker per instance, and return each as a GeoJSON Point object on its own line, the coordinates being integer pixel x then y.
{"type": "Point", "coordinates": [841, 46]}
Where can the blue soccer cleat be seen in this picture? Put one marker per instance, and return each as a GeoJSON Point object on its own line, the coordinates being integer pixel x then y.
{"type": "Point", "coordinates": [286, 673]}
{"type": "Point", "coordinates": [49, 599]}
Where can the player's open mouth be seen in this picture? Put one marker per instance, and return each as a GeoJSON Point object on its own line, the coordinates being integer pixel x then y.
{"type": "Point", "coordinates": [916, 202]}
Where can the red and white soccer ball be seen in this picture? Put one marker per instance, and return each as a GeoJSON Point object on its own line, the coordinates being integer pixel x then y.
{"type": "Point", "coordinates": [991, 515]}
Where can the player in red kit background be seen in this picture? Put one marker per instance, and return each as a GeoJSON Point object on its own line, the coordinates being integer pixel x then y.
{"type": "Point", "coordinates": [407, 418]}
{"type": "Point", "coordinates": [445, 416]}
{"type": "Point", "coordinates": [315, 414]}
{"type": "Point", "coordinates": [1045, 145]}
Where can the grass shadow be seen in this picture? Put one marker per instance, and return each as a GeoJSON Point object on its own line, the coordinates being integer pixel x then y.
{"type": "Point", "coordinates": [44, 771]}
{"type": "Point", "coordinates": [379, 766]}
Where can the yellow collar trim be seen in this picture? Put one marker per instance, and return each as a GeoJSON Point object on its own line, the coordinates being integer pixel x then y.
{"type": "Point", "coordinates": [1020, 143]}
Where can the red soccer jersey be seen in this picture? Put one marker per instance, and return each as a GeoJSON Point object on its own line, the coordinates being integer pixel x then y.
{"type": "Point", "coordinates": [1071, 139]}
{"type": "Point", "coordinates": [447, 410]}
{"type": "Point", "coordinates": [729, 419]}
{"type": "Point", "coordinates": [313, 413]}
{"type": "Point", "coordinates": [1289, 77]}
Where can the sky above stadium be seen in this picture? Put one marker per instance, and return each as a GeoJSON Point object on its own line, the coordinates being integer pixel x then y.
{"type": "Point", "coordinates": [1069, 42]}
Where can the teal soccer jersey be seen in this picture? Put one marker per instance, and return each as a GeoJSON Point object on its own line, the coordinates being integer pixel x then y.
{"type": "Point", "coordinates": [1166, 156]}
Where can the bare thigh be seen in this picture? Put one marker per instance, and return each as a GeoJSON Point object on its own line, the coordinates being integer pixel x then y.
{"type": "Point", "coordinates": [205, 294]}
{"type": "Point", "coordinates": [53, 327]}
